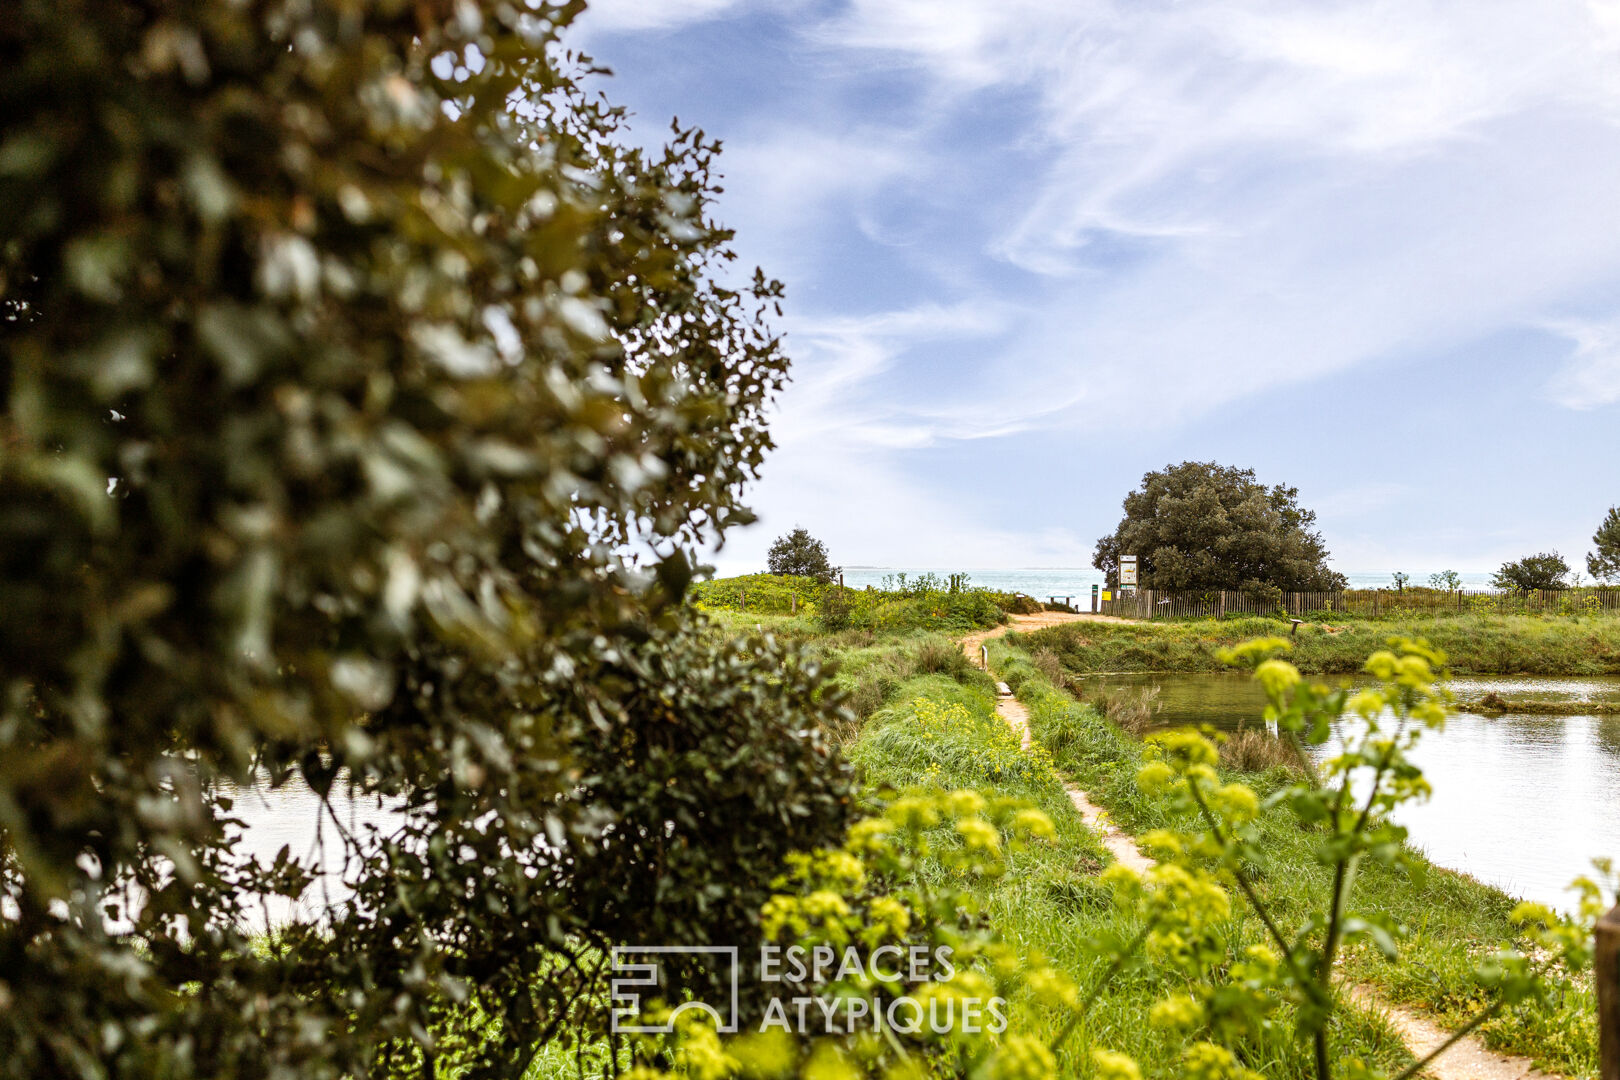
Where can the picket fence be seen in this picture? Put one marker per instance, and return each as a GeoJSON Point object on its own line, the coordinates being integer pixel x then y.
{"type": "Point", "coordinates": [1163, 604]}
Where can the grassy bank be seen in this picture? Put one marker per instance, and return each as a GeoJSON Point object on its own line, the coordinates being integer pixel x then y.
{"type": "Point", "coordinates": [922, 716]}
{"type": "Point", "coordinates": [922, 603]}
{"type": "Point", "coordinates": [1451, 920]}
{"type": "Point", "coordinates": [943, 732]}
{"type": "Point", "coordinates": [1475, 644]}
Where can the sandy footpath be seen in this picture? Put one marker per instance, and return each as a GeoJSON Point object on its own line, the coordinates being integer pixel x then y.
{"type": "Point", "coordinates": [1467, 1059]}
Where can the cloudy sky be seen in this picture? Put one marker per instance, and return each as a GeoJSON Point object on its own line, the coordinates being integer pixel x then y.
{"type": "Point", "coordinates": [1035, 248]}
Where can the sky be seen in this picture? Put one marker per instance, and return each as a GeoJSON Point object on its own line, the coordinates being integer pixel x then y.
{"type": "Point", "coordinates": [1034, 249]}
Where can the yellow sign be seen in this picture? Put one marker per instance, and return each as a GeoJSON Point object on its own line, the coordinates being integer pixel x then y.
{"type": "Point", "coordinates": [1107, 595]}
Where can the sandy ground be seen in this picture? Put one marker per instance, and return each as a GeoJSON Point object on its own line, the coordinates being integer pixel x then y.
{"type": "Point", "coordinates": [1468, 1059]}
{"type": "Point", "coordinates": [971, 643]}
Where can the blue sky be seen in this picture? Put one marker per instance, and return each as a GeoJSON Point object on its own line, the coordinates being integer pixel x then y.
{"type": "Point", "coordinates": [1035, 248]}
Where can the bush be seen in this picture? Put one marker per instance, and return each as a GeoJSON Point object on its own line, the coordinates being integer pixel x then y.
{"type": "Point", "coordinates": [762, 594]}
{"type": "Point", "coordinates": [386, 374]}
{"type": "Point", "coordinates": [1257, 751]}
{"type": "Point", "coordinates": [1132, 709]}
{"type": "Point", "coordinates": [1018, 604]}
{"type": "Point", "coordinates": [936, 657]}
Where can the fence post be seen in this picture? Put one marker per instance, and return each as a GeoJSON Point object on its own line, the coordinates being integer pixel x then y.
{"type": "Point", "coordinates": [1220, 606]}
{"type": "Point", "coordinates": [1607, 975]}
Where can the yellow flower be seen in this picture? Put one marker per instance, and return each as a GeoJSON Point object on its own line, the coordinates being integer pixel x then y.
{"type": "Point", "coordinates": [979, 835]}
{"type": "Point", "coordinates": [1112, 1065]}
{"type": "Point", "coordinates": [1277, 676]}
{"type": "Point", "coordinates": [1178, 1012]}
{"type": "Point", "coordinates": [1023, 1057]}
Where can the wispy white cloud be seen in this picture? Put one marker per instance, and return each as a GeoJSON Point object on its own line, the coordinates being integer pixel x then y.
{"type": "Point", "coordinates": [1590, 378]}
{"type": "Point", "coordinates": [620, 15]}
{"type": "Point", "coordinates": [1308, 186]}
{"type": "Point", "coordinates": [1180, 206]}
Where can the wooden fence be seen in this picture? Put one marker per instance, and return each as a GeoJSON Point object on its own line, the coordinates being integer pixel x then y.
{"type": "Point", "coordinates": [1163, 604]}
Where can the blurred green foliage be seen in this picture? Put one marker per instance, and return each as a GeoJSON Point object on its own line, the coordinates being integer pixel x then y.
{"type": "Point", "coordinates": [362, 396]}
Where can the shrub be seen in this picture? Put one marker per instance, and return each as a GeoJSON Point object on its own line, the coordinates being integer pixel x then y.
{"type": "Point", "coordinates": [386, 374]}
{"type": "Point", "coordinates": [1256, 751]}
{"type": "Point", "coordinates": [1018, 604]}
{"type": "Point", "coordinates": [1050, 665]}
{"type": "Point", "coordinates": [936, 657]}
{"type": "Point", "coordinates": [1533, 573]}
{"type": "Point", "coordinates": [1132, 709]}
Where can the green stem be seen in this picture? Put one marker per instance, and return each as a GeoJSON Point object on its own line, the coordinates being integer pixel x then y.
{"type": "Point", "coordinates": [1237, 871]}
{"type": "Point", "coordinates": [1107, 977]}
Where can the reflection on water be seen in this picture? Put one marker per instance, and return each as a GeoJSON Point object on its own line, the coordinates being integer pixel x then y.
{"type": "Point", "coordinates": [293, 816]}
{"type": "Point", "coordinates": [1523, 802]}
{"type": "Point", "coordinates": [1520, 801]}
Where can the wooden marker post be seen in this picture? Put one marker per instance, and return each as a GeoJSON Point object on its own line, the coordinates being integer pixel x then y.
{"type": "Point", "coordinates": [1606, 973]}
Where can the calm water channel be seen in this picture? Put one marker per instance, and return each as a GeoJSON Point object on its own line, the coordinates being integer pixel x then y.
{"type": "Point", "coordinates": [1521, 801]}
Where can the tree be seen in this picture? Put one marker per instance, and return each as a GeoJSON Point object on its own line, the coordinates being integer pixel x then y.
{"type": "Point", "coordinates": [1532, 573]}
{"type": "Point", "coordinates": [386, 347]}
{"type": "Point", "coordinates": [1401, 579]}
{"type": "Point", "coordinates": [1603, 562]}
{"type": "Point", "coordinates": [1449, 580]}
{"type": "Point", "coordinates": [1201, 526]}
{"type": "Point", "coordinates": [801, 555]}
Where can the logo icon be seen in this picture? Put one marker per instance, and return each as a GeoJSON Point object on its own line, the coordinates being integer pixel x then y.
{"type": "Point", "coordinates": [642, 967]}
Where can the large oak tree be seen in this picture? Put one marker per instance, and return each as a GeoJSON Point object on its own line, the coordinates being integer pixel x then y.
{"type": "Point", "coordinates": [1201, 526]}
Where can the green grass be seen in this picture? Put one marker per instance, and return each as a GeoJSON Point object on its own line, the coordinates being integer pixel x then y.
{"type": "Point", "coordinates": [1451, 919]}
{"type": "Point", "coordinates": [1474, 644]}
{"type": "Point", "coordinates": [921, 605]}
{"type": "Point", "coordinates": [1049, 902]}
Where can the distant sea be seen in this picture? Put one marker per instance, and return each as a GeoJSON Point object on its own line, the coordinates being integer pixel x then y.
{"type": "Point", "coordinates": [1041, 582]}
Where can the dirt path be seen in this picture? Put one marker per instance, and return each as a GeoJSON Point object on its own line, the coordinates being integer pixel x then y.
{"type": "Point", "coordinates": [1467, 1059]}
{"type": "Point", "coordinates": [971, 643]}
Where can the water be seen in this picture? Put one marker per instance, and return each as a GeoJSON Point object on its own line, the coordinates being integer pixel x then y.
{"type": "Point", "coordinates": [1042, 582]}
{"type": "Point", "coordinates": [293, 816]}
{"type": "Point", "coordinates": [1521, 801]}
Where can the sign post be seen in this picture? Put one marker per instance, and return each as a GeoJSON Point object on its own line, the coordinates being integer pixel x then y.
{"type": "Point", "coordinates": [1127, 571]}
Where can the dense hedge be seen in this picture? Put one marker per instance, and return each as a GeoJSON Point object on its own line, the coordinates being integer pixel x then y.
{"type": "Point", "coordinates": [344, 348]}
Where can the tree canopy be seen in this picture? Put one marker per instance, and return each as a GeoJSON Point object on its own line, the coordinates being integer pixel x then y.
{"type": "Point", "coordinates": [1546, 570]}
{"type": "Point", "coordinates": [799, 554]}
{"type": "Point", "coordinates": [347, 351]}
{"type": "Point", "coordinates": [1603, 562]}
{"type": "Point", "coordinates": [1204, 526]}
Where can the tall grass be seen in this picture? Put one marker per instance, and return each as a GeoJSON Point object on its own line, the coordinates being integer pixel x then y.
{"type": "Point", "coordinates": [1049, 901]}
{"type": "Point", "coordinates": [1475, 644]}
{"type": "Point", "coordinates": [1451, 920]}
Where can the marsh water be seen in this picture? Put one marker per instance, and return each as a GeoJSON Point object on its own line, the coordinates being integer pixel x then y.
{"type": "Point", "coordinates": [1522, 801]}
